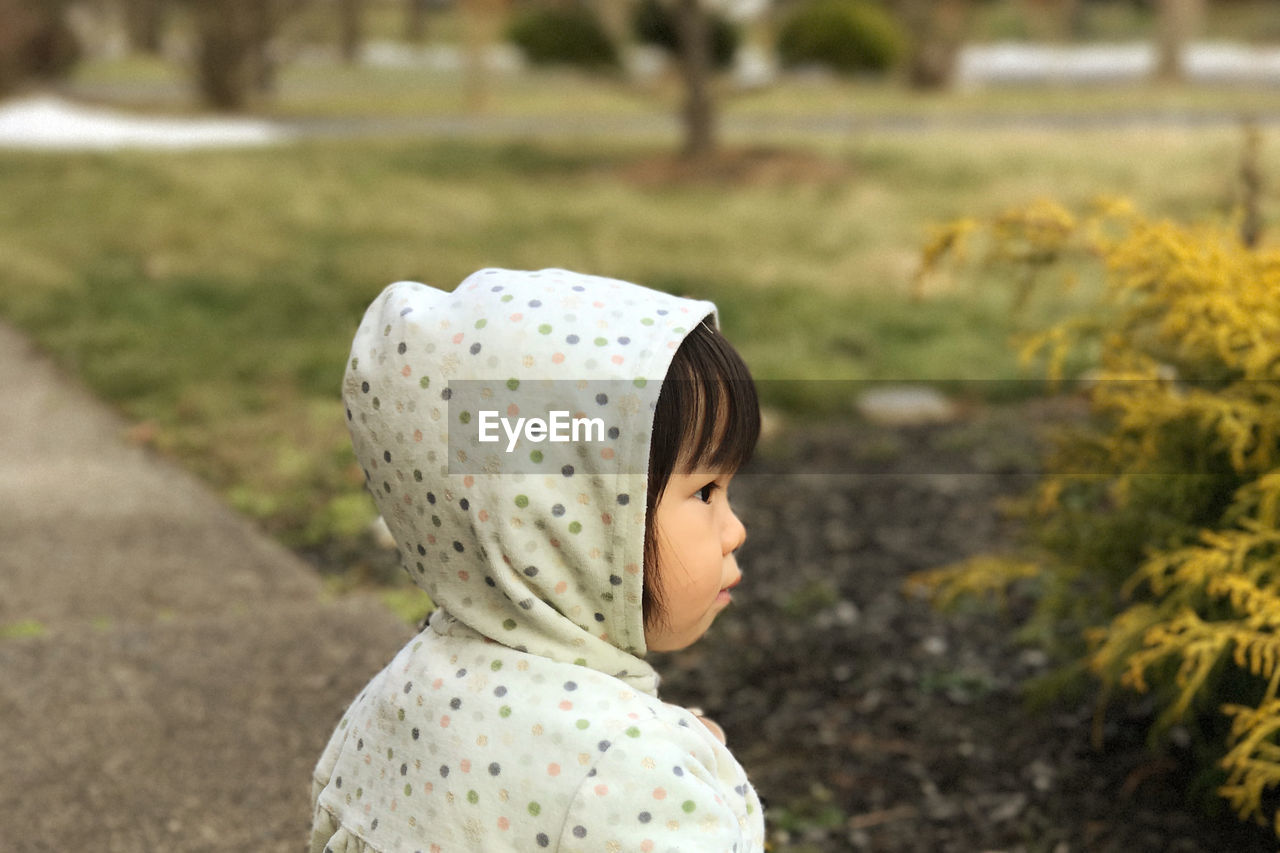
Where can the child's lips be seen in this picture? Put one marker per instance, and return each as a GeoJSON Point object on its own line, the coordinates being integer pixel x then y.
{"type": "Point", "coordinates": [726, 595]}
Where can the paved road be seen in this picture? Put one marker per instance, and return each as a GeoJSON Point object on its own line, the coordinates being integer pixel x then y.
{"type": "Point", "coordinates": [759, 126]}
{"type": "Point", "coordinates": [169, 674]}
{"type": "Point", "coordinates": [666, 124]}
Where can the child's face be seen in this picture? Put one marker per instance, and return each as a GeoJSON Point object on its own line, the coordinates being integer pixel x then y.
{"type": "Point", "coordinates": [697, 534]}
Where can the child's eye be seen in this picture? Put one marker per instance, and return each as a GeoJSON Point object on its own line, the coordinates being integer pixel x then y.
{"type": "Point", "coordinates": [704, 494]}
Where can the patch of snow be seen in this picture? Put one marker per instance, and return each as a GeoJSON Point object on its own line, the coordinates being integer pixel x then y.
{"type": "Point", "coordinates": [754, 68]}
{"type": "Point", "coordinates": [905, 405]}
{"type": "Point", "coordinates": [1016, 62]}
{"type": "Point", "coordinates": [498, 58]}
{"type": "Point", "coordinates": [1233, 62]}
{"type": "Point", "coordinates": [644, 62]}
{"type": "Point", "coordinates": [1011, 62]}
{"type": "Point", "coordinates": [46, 122]}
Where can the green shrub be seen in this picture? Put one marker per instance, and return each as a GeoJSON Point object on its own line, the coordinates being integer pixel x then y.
{"type": "Point", "coordinates": [655, 24]}
{"type": "Point", "coordinates": [571, 36]}
{"type": "Point", "coordinates": [847, 36]}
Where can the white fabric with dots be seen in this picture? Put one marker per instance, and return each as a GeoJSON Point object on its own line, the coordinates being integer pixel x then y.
{"type": "Point", "coordinates": [524, 717]}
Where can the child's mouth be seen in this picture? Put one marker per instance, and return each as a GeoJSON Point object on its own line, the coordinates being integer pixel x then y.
{"type": "Point", "coordinates": [726, 593]}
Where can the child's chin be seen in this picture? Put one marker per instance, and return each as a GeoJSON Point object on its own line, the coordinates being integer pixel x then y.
{"type": "Point", "coordinates": [673, 644]}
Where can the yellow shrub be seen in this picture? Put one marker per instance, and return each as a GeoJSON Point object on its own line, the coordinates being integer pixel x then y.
{"type": "Point", "coordinates": [1157, 527]}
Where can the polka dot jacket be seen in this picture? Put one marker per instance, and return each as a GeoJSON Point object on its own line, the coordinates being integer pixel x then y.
{"type": "Point", "coordinates": [524, 717]}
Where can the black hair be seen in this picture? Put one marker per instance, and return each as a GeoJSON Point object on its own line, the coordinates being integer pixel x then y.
{"type": "Point", "coordinates": [707, 417]}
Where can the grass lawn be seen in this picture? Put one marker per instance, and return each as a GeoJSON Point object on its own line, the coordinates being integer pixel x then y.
{"type": "Point", "coordinates": [212, 295]}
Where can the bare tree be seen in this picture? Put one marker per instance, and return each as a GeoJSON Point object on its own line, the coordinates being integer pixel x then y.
{"type": "Point", "coordinates": [235, 48]}
{"type": "Point", "coordinates": [1177, 21]}
{"type": "Point", "coordinates": [1052, 20]}
{"type": "Point", "coordinates": [265, 21]}
{"type": "Point", "coordinates": [145, 20]}
{"type": "Point", "coordinates": [223, 54]}
{"type": "Point", "coordinates": [35, 41]}
{"type": "Point", "coordinates": [1251, 185]}
{"type": "Point", "coordinates": [482, 20]}
{"type": "Point", "coordinates": [351, 20]}
{"type": "Point", "coordinates": [699, 110]}
{"type": "Point", "coordinates": [615, 18]}
{"type": "Point", "coordinates": [937, 29]}
{"type": "Point", "coordinates": [415, 20]}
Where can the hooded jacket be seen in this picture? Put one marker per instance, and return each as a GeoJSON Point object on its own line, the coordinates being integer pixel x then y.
{"type": "Point", "coordinates": [524, 717]}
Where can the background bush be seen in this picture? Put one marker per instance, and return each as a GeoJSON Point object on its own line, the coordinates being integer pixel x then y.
{"type": "Point", "coordinates": [655, 24]}
{"type": "Point", "coordinates": [572, 36]}
{"type": "Point", "coordinates": [846, 36]}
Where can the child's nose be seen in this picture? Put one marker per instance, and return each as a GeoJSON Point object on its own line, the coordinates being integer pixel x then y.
{"type": "Point", "coordinates": [735, 533]}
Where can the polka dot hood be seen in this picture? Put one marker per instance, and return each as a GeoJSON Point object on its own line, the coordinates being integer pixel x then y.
{"type": "Point", "coordinates": [540, 556]}
{"type": "Point", "coordinates": [524, 717]}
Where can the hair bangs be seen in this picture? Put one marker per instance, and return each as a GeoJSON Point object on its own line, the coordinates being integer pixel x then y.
{"type": "Point", "coordinates": [719, 421]}
{"type": "Point", "coordinates": [708, 412]}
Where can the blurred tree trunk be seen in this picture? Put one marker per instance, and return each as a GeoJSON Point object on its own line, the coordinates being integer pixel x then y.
{"type": "Point", "coordinates": [415, 20]}
{"type": "Point", "coordinates": [1053, 20]}
{"type": "Point", "coordinates": [615, 17]}
{"type": "Point", "coordinates": [937, 29]}
{"type": "Point", "coordinates": [351, 28]}
{"type": "Point", "coordinates": [35, 42]}
{"type": "Point", "coordinates": [224, 44]}
{"type": "Point", "coordinates": [1075, 19]}
{"type": "Point", "coordinates": [235, 50]}
{"type": "Point", "coordinates": [144, 20]}
{"type": "Point", "coordinates": [695, 69]}
{"type": "Point", "coordinates": [482, 20]}
{"type": "Point", "coordinates": [1251, 185]}
{"type": "Point", "coordinates": [263, 62]}
{"type": "Point", "coordinates": [1177, 22]}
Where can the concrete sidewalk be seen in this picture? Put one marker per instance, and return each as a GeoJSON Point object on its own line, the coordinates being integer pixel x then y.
{"type": "Point", "coordinates": [168, 676]}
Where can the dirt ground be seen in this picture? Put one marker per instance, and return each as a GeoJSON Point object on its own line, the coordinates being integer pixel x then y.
{"type": "Point", "coordinates": [868, 721]}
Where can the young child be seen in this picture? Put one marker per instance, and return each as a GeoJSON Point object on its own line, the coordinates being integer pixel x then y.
{"type": "Point", "coordinates": [524, 717]}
